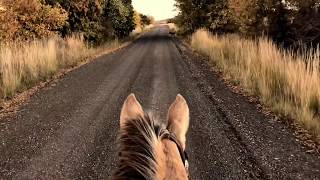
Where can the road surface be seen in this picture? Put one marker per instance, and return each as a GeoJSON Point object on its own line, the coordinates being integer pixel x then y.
{"type": "Point", "coordinates": [68, 131]}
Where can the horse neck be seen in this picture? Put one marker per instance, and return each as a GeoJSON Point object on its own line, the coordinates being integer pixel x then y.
{"type": "Point", "coordinates": [169, 162]}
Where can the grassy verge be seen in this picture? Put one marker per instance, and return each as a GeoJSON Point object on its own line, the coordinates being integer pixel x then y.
{"type": "Point", "coordinates": [287, 83]}
{"type": "Point", "coordinates": [23, 64]}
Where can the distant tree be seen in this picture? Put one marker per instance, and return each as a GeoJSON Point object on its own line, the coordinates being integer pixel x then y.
{"type": "Point", "coordinates": [144, 19]}
{"type": "Point", "coordinates": [137, 20]}
{"type": "Point", "coordinates": [151, 19]}
{"type": "Point", "coordinates": [121, 15]}
{"type": "Point", "coordinates": [98, 19]}
{"type": "Point", "coordinates": [87, 17]}
{"type": "Point", "coordinates": [211, 14]}
{"type": "Point", "coordinates": [192, 15]}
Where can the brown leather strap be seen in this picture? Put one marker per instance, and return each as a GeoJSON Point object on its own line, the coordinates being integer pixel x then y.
{"type": "Point", "coordinates": [166, 134]}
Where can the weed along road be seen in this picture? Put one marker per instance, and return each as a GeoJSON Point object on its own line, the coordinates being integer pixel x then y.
{"type": "Point", "coordinates": [68, 130]}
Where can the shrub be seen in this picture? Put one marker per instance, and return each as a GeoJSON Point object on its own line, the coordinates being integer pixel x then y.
{"type": "Point", "coordinates": [30, 19]}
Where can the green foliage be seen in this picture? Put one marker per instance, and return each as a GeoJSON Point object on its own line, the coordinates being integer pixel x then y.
{"type": "Point", "coordinates": [137, 20]}
{"type": "Point", "coordinates": [213, 15]}
{"type": "Point", "coordinates": [286, 22]}
{"type": "Point", "coordinates": [86, 17]}
{"type": "Point", "coordinates": [97, 20]}
{"type": "Point", "coordinates": [122, 17]}
{"type": "Point", "coordinates": [141, 21]}
{"type": "Point", "coordinates": [146, 20]}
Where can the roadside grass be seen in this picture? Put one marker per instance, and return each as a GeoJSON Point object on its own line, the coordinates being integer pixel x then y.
{"type": "Point", "coordinates": [23, 64]}
{"type": "Point", "coordinates": [287, 83]}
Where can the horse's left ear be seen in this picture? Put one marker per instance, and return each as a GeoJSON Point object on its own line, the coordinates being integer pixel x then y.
{"type": "Point", "coordinates": [131, 109]}
{"type": "Point", "coordinates": [178, 119]}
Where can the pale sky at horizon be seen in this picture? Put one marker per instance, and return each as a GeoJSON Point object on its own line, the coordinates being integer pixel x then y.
{"type": "Point", "coordinates": [159, 9]}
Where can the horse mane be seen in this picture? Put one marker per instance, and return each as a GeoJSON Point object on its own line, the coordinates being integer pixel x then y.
{"type": "Point", "coordinates": [136, 142]}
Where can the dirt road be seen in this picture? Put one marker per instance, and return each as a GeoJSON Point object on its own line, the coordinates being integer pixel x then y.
{"type": "Point", "coordinates": [68, 131]}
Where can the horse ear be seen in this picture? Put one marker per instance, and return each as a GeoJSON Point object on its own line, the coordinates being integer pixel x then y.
{"type": "Point", "coordinates": [131, 109]}
{"type": "Point", "coordinates": [178, 119]}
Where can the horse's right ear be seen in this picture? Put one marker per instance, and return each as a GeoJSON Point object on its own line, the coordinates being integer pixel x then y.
{"type": "Point", "coordinates": [131, 109]}
{"type": "Point", "coordinates": [178, 119]}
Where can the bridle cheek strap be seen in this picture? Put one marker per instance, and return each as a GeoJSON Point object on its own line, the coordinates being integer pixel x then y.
{"type": "Point", "coordinates": [166, 134]}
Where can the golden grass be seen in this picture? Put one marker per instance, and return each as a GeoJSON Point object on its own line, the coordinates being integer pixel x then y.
{"type": "Point", "coordinates": [287, 83]}
{"type": "Point", "coordinates": [24, 64]}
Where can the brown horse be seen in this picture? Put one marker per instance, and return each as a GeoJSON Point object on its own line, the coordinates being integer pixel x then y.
{"type": "Point", "coordinates": [148, 150]}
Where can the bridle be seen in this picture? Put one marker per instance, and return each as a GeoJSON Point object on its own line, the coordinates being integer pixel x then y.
{"type": "Point", "coordinates": [166, 134]}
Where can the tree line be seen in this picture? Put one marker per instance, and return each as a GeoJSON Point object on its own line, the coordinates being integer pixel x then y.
{"type": "Point", "coordinates": [141, 20]}
{"type": "Point", "coordinates": [287, 22]}
{"type": "Point", "coordinates": [97, 20]}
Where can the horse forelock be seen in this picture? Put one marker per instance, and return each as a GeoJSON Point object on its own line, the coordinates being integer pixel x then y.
{"type": "Point", "coordinates": [137, 141]}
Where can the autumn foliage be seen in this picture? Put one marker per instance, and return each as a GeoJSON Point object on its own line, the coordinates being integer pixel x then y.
{"type": "Point", "coordinates": [29, 19]}
{"type": "Point", "coordinates": [97, 20]}
{"type": "Point", "coordinates": [287, 22]}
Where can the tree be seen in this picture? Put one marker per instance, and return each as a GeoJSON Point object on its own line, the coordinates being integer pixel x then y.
{"type": "Point", "coordinates": [97, 20]}
{"type": "Point", "coordinates": [287, 22]}
{"type": "Point", "coordinates": [30, 19]}
{"type": "Point", "coordinates": [190, 16]}
{"type": "Point", "coordinates": [279, 24]}
{"type": "Point", "coordinates": [121, 15]}
{"type": "Point", "coordinates": [137, 20]}
{"type": "Point", "coordinates": [211, 14]}
{"type": "Point", "coordinates": [305, 23]}
{"type": "Point", "coordinates": [145, 20]}
{"type": "Point", "coordinates": [87, 17]}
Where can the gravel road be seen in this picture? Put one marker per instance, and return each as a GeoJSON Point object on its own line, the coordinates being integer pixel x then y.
{"type": "Point", "coordinates": [68, 130]}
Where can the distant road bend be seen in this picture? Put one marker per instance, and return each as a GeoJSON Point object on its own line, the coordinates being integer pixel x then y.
{"type": "Point", "coordinates": [68, 131]}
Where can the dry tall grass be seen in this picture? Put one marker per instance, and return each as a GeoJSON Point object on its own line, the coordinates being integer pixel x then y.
{"type": "Point", "coordinates": [287, 83]}
{"type": "Point", "coordinates": [23, 64]}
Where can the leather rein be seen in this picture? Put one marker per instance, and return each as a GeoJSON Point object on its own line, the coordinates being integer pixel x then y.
{"type": "Point", "coordinates": [166, 134]}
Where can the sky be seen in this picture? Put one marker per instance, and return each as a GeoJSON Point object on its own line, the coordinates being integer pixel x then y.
{"type": "Point", "coordinates": [159, 9]}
